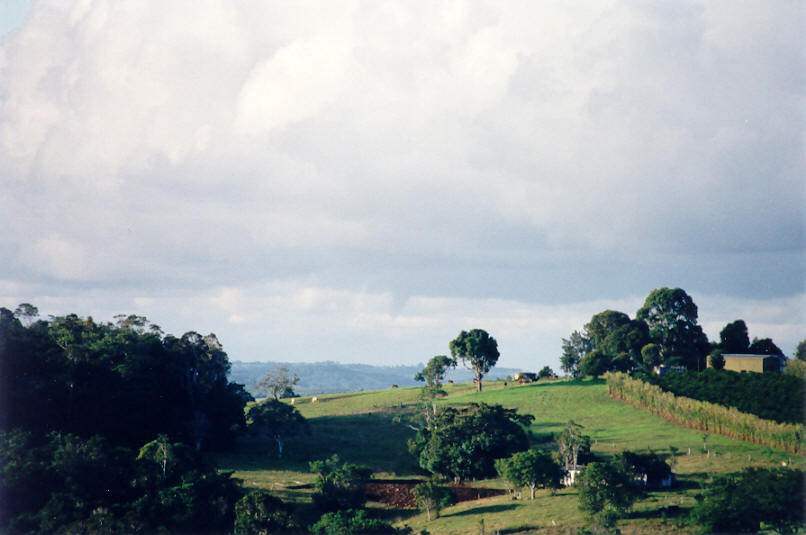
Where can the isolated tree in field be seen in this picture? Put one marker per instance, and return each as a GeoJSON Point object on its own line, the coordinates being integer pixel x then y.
{"type": "Point", "coordinates": [532, 469]}
{"type": "Point", "coordinates": [464, 441]}
{"type": "Point", "coordinates": [574, 350]}
{"type": "Point", "coordinates": [733, 338]}
{"type": "Point", "coordinates": [431, 496]}
{"type": "Point", "coordinates": [478, 350]}
{"type": "Point", "coordinates": [595, 363]}
{"type": "Point", "coordinates": [277, 421]}
{"type": "Point", "coordinates": [571, 443]}
{"type": "Point", "coordinates": [671, 316]}
{"type": "Point", "coordinates": [433, 375]}
{"type": "Point", "coordinates": [278, 383]}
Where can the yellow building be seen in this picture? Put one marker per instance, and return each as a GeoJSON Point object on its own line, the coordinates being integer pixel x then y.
{"type": "Point", "coordinates": [753, 363]}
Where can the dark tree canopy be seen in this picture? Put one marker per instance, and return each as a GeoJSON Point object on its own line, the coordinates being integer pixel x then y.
{"type": "Point", "coordinates": [595, 363]}
{"type": "Point", "coordinates": [465, 441]}
{"type": "Point", "coordinates": [733, 338]}
{"type": "Point", "coordinates": [671, 316]}
{"type": "Point", "coordinates": [277, 421]}
{"type": "Point", "coordinates": [478, 350]}
{"type": "Point", "coordinates": [574, 350]}
{"type": "Point", "coordinates": [604, 323]}
{"type": "Point", "coordinates": [800, 352]}
{"type": "Point", "coordinates": [764, 346]}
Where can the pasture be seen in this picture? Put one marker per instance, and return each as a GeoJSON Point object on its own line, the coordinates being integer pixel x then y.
{"type": "Point", "coordinates": [372, 428]}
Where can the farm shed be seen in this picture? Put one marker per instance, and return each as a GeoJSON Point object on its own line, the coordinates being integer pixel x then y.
{"type": "Point", "coordinates": [753, 363]}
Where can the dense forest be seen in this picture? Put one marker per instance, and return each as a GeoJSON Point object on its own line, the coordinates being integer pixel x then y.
{"type": "Point", "coordinates": [103, 424]}
{"type": "Point", "coordinates": [772, 396]}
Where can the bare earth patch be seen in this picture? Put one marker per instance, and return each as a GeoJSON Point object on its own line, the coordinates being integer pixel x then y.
{"type": "Point", "coordinates": [397, 492]}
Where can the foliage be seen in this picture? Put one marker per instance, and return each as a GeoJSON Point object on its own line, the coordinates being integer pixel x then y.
{"type": "Point", "coordinates": [531, 468]}
{"type": "Point", "coordinates": [671, 316]}
{"type": "Point", "coordinates": [764, 346]}
{"type": "Point", "coordinates": [75, 375]}
{"type": "Point", "coordinates": [574, 350]}
{"type": "Point", "coordinates": [800, 351]}
{"type": "Point", "coordinates": [595, 363]}
{"type": "Point", "coordinates": [260, 513]}
{"type": "Point", "coordinates": [743, 502]}
{"type": "Point", "coordinates": [350, 522]}
{"type": "Point", "coordinates": [545, 372]}
{"type": "Point", "coordinates": [75, 485]}
{"type": "Point", "coordinates": [648, 467]}
{"type": "Point", "coordinates": [278, 383]}
{"type": "Point", "coordinates": [465, 441]}
{"type": "Point", "coordinates": [477, 350]}
{"type": "Point", "coordinates": [276, 420]}
{"type": "Point", "coordinates": [733, 338]}
{"type": "Point", "coordinates": [339, 486]}
{"type": "Point", "coordinates": [796, 368]}
{"type": "Point", "coordinates": [650, 356]}
{"type": "Point", "coordinates": [606, 487]}
{"type": "Point", "coordinates": [772, 396]}
{"type": "Point", "coordinates": [432, 496]}
{"type": "Point", "coordinates": [434, 372]}
{"type": "Point", "coordinates": [716, 360]}
{"type": "Point", "coordinates": [705, 416]}
{"type": "Point", "coordinates": [572, 444]}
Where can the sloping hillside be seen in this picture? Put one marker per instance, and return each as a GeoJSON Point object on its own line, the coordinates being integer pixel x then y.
{"type": "Point", "coordinates": [370, 428]}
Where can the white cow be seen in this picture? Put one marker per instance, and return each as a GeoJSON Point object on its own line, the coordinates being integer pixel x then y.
{"type": "Point", "coordinates": [314, 399]}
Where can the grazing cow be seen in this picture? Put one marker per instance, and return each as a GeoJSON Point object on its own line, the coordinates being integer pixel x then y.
{"type": "Point", "coordinates": [293, 400]}
{"type": "Point", "coordinates": [394, 386]}
{"type": "Point", "coordinates": [314, 399]}
{"type": "Point", "coordinates": [450, 381]}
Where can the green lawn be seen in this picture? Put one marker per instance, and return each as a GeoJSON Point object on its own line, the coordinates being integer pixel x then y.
{"type": "Point", "coordinates": [371, 428]}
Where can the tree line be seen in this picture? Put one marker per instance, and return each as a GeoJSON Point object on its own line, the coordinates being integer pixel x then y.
{"type": "Point", "coordinates": [103, 426]}
{"type": "Point", "coordinates": [665, 331]}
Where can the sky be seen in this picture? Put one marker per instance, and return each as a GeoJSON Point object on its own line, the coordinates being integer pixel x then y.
{"type": "Point", "coordinates": [360, 181]}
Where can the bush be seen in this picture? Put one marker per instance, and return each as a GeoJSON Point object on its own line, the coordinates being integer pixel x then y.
{"type": "Point", "coordinates": [606, 488]}
{"type": "Point", "coordinates": [350, 522]}
{"type": "Point", "coordinates": [340, 486]}
{"type": "Point", "coordinates": [742, 502]}
{"type": "Point", "coordinates": [260, 513]}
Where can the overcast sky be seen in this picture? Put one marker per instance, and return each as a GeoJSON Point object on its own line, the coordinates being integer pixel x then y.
{"type": "Point", "coordinates": [359, 181]}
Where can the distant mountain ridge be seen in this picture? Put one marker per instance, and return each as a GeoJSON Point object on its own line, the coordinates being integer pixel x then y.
{"type": "Point", "coordinates": [331, 377]}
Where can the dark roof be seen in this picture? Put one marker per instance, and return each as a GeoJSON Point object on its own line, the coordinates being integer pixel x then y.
{"type": "Point", "coordinates": [750, 356]}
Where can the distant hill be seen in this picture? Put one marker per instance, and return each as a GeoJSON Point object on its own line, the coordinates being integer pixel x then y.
{"type": "Point", "coordinates": [331, 377]}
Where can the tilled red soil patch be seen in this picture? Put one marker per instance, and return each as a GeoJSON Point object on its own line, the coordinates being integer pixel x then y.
{"type": "Point", "coordinates": [397, 492]}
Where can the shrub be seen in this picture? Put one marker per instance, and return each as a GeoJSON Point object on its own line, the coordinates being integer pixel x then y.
{"type": "Point", "coordinates": [339, 486]}
{"type": "Point", "coordinates": [260, 513]}
{"type": "Point", "coordinates": [741, 502]}
{"type": "Point", "coordinates": [350, 522]}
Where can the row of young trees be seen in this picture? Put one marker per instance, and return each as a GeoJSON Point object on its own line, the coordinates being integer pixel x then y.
{"type": "Point", "coordinates": [770, 396]}
{"type": "Point", "coordinates": [706, 416]}
{"type": "Point", "coordinates": [665, 331]}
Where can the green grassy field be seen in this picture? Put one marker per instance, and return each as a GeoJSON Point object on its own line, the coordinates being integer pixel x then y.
{"type": "Point", "coordinates": [370, 428]}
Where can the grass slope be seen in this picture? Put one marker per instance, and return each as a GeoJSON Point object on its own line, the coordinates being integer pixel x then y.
{"type": "Point", "coordinates": [369, 428]}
